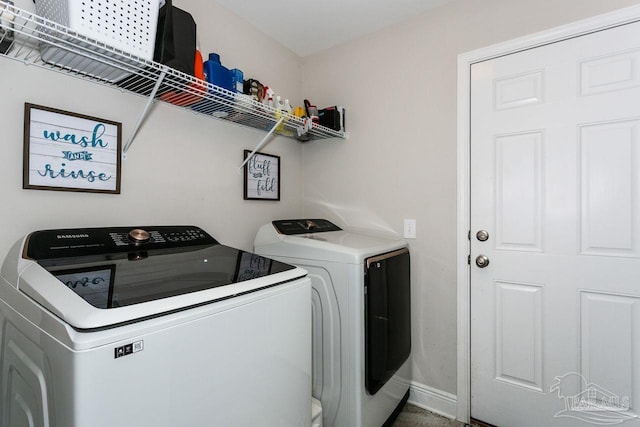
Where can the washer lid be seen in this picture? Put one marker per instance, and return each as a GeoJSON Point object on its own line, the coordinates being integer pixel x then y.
{"type": "Point", "coordinates": [98, 283]}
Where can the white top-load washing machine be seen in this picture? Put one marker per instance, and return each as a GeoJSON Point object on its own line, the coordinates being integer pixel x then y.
{"type": "Point", "coordinates": [361, 316]}
{"type": "Point", "coordinates": [157, 326]}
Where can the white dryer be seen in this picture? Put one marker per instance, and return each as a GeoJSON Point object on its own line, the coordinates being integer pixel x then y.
{"type": "Point", "coordinates": [361, 316]}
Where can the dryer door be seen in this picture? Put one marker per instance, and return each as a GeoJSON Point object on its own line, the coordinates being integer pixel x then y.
{"type": "Point", "coordinates": [387, 316]}
{"type": "Point", "coordinates": [326, 341]}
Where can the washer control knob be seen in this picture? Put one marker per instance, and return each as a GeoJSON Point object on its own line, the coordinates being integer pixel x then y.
{"type": "Point", "coordinates": [139, 236]}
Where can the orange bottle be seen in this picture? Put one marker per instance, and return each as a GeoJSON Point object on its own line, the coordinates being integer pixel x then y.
{"type": "Point", "coordinates": [194, 91]}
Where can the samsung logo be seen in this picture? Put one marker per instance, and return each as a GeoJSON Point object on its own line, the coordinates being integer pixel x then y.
{"type": "Point", "coordinates": [72, 236]}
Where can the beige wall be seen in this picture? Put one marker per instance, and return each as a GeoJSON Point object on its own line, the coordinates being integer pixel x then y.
{"type": "Point", "coordinates": [399, 88]}
{"type": "Point", "coordinates": [182, 168]}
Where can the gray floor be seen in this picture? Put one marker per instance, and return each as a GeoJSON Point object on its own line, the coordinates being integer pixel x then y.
{"type": "Point", "coordinates": [412, 416]}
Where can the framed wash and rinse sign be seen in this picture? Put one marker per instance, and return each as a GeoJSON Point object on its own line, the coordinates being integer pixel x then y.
{"type": "Point", "coordinates": [262, 177]}
{"type": "Point", "coordinates": [66, 151]}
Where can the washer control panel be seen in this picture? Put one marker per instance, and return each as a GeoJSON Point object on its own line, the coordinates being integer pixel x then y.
{"type": "Point", "coordinates": [66, 243]}
{"type": "Point", "coordinates": [304, 226]}
{"type": "Point", "coordinates": [155, 235]}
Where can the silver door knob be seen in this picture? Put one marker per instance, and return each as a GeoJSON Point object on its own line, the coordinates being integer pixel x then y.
{"type": "Point", "coordinates": [482, 261]}
{"type": "Point", "coordinates": [482, 235]}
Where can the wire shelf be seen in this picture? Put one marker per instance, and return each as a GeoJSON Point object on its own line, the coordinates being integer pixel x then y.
{"type": "Point", "coordinates": [24, 35]}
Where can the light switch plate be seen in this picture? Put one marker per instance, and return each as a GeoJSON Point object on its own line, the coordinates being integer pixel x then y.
{"type": "Point", "coordinates": [409, 228]}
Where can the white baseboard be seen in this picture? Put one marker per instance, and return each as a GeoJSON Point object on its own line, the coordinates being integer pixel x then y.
{"type": "Point", "coordinates": [434, 400]}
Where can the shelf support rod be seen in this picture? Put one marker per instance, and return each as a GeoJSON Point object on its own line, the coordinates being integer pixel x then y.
{"type": "Point", "coordinates": [145, 112]}
{"type": "Point", "coordinates": [261, 143]}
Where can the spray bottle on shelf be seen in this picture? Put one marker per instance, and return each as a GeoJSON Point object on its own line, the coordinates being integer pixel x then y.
{"type": "Point", "coordinates": [279, 105]}
{"type": "Point", "coordinates": [267, 99]}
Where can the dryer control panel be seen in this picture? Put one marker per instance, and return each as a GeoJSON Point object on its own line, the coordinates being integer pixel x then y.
{"type": "Point", "coordinates": [304, 226]}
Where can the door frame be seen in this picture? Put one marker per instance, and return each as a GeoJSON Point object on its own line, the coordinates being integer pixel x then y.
{"type": "Point", "coordinates": [465, 61]}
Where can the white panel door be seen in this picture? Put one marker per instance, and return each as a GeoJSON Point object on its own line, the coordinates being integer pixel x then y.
{"type": "Point", "coordinates": [555, 182]}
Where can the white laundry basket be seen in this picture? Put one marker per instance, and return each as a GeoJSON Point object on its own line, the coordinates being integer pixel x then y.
{"type": "Point", "coordinates": [126, 25]}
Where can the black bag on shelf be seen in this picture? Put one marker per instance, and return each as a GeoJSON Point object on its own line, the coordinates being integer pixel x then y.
{"type": "Point", "coordinates": [332, 118]}
{"type": "Point", "coordinates": [175, 39]}
{"type": "Point", "coordinates": [175, 47]}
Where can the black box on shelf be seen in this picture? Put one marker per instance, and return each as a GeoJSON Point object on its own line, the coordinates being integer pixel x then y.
{"type": "Point", "coordinates": [332, 117]}
{"type": "Point", "coordinates": [6, 29]}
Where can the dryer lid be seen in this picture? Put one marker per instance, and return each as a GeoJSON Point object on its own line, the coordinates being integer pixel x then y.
{"type": "Point", "coordinates": [327, 245]}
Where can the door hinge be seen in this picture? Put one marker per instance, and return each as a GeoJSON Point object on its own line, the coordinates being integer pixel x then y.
{"type": "Point", "coordinates": [469, 259]}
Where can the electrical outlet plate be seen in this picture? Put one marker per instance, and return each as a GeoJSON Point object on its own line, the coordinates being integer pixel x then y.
{"type": "Point", "coordinates": [409, 228]}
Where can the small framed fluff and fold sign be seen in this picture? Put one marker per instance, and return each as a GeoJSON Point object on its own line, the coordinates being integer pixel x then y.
{"type": "Point", "coordinates": [66, 151]}
{"type": "Point", "coordinates": [262, 177]}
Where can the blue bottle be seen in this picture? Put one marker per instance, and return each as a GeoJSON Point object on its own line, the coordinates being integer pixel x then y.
{"type": "Point", "coordinates": [216, 73]}
{"type": "Point", "coordinates": [237, 82]}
